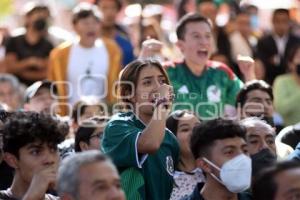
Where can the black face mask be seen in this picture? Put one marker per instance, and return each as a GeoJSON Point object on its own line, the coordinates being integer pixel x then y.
{"type": "Point", "coordinates": [298, 69]}
{"type": "Point", "coordinates": [269, 120]}
{"type": "Point", "coordinates": [261, 160]}
{"type": "Point", "coordinates": [40, 24]}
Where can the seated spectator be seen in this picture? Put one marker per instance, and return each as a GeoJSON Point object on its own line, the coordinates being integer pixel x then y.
{"type": "Point", "coordinates": [11, 92]}
{"type": "Point", "coordinates": [287, 90]}
{"type": "Point", "coordinates": [255, 99]}
{"type": "Point", "coordinates": [88, 66]}
{"type": "Point", "coordinates": [220, 149]}
{"type": "Point", "coordinates": [260, 138]}
{"type": "Point", "coordinates": [89, 134]}
{"type": "Point", "coordinates": [281, 181]}
{"type": "Point", "coordinates": [89, 175]}
{"type": "Point", "coordinates": [82, 111]}
{"type": "Point", "coordinates": [187, 175]}
{"type": "Point", "coordinates": [144, 151]}
{"type": "Point", "coordinates": [30, 147]}
{"type": "Point", "coordinates": [41, 97]}
{"type": "Point", "coordinates": [85, 109]}
{"type": "Point", "coordinates": [27, 54]}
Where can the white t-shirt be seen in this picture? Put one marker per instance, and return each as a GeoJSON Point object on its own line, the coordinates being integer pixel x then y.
{"type": "Point", "coordinates": [87, 71]}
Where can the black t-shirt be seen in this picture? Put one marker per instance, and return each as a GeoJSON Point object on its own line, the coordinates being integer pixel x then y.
{"type": "Point", "coordinates": [23, 49]}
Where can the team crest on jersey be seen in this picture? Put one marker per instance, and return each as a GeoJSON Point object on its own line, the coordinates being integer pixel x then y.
{"type": "Point", "coordinates": [170, 165]}
{"type": "Point", "coordinates": [213, 94]}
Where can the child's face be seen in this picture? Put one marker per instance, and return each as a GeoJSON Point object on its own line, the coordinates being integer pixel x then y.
{"type": "Point", "coordinates": [87, 29]}
{"type": "Point", "coordinates": [35, 157]}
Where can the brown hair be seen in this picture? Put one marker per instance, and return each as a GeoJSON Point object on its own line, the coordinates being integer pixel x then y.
{"type": "Point", "coordinates": [130, 74]}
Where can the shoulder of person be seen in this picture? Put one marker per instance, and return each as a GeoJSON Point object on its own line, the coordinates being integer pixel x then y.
{"type": "Point", "coordinates": [122, 117]}
{"type": "Point", "coordinates": [219, 66]}
{"type": "Point", "coordinates": [175, 64]}
{"type": "Point", "coordinates": [110, 43]}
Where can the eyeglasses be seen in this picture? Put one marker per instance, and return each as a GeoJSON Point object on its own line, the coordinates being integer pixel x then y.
{"type": "Point", "coordinates": [97, 135]}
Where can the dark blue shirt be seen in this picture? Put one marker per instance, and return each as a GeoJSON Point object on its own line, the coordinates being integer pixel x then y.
{"type": "Point", "coordinates": [127, 49]}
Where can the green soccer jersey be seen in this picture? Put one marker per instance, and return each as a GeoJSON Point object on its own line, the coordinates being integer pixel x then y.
{"type": "Point", "coordinates": [143, 176]}
{"type": "Point", "coordinates": [209, 95]}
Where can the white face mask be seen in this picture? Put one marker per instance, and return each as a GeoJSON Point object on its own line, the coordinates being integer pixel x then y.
{"type": "Point", "coordinates": [235, 174]}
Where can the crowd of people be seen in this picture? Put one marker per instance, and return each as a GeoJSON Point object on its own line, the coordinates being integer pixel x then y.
{"type": "Point", "coordinates": [101, 115]}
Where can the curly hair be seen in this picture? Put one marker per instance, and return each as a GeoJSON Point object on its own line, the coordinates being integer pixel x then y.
{"type": "Point", "coordinates": [23, 128]}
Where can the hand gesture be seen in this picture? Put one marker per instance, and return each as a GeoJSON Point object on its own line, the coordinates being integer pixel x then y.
{"type": "Point", "coordinates": [42, 180]}
{"type": "Point", "coordinates": [150, 48]}
{"type": "Point", "coordinates": [247, 67]}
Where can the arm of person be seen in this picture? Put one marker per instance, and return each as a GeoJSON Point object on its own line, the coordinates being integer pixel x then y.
{"type": "Point", "coordinates": [247, 67]}
{"type": "Point", "coordinates": [16, 66]}
{"type": "Point", "coordinates": [129, 145]}
{"type": "Point", "coordinates": [150, 48]}
{"type": "Point", "coordinates": [41, 182]}
{"type": "Point", "coordinates": [40, 73]}
{"type": "Point", "coordinates": [20, 67]}
{"type": "Point", "coordinates": [233, 87]}
{"type": "Point", "coordinates": [151, 138]}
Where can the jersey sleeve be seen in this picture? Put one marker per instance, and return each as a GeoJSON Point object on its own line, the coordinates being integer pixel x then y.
{"type": "Point", "coordinates": [120, 143]}
{"type": "Point", "coordinates": [233, 88]}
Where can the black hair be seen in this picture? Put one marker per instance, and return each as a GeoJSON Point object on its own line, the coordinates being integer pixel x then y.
{"type": "Point", "coordinates": [205, 134]}
{"type": "Point", "coordinates": [250, 86]}
{"type": "Point", "coordinates": [189, 18]}
{"type": "Point", "coordinates": [118, 2]}
{"type": "Point", "coordinates": [264, 185]}
{"type": "Point", "coordinates": [280, 11]}
{"type": "Point", "coordinates": [80, 107]}
{"type": "Point", "coordinates": [23, 128]}
{"type": "Point", "coordinates": [85, 10]}
{"type": "Point", "coordinates": [86, 129]}
{"type": "Point", "coordinates": [173, 119]}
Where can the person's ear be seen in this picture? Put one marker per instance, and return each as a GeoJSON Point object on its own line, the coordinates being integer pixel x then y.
{"type": "Point", "coordinates": [180, 44]}
{"type": "Point", "coordinates": [11, 160]}
{"type": "Point", "coordinates": [83, 146]}
{"type": "Point", "coordinates": [203, 165]}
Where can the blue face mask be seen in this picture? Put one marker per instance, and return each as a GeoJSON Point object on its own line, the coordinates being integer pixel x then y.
{"type": "Point", "coordinates": [254, 21]}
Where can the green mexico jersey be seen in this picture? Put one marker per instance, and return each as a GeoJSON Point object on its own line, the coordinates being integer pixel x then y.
{"type": "Point", "coordinates": [208, 95]}
{"type": "Point", "coordinates": [143, 176]}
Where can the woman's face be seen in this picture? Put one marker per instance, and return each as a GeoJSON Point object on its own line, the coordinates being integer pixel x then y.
{"type": "Point", "coordinates": [149, 80]}
{"type": "Point", "coordinates": [184, 130]}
